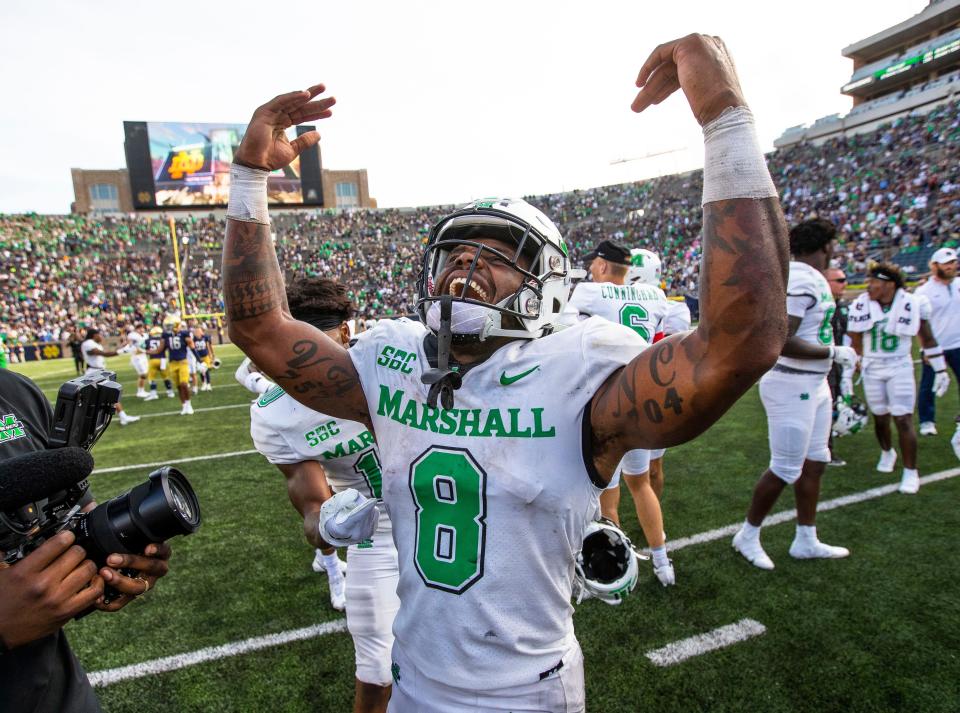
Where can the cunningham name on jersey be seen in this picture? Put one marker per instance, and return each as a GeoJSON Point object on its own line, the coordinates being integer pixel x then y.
{"type": "Point", "coordinates": [489, 500]}
{"type": "Point", "coordinates": [642, 308]}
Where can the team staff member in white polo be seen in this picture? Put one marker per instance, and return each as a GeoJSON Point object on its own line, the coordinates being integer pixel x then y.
{"type": "Point", "coordinates": [95, 357]}
{"type": "Point", "coordinates": [942, 290]}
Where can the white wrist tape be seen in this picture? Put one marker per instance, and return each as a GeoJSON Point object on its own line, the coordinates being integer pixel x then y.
{"type": "Point", "coordinates": [248, 194]}
{"type": "Point", "coordinates": [733, 164]}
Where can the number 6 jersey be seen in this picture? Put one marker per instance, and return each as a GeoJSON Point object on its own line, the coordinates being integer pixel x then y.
{"type": "Point", "coordinates": [489, 499]}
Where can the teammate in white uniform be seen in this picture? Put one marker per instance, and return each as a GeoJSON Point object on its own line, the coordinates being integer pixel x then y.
{"type": "Point", "coordinates": [641, 306]}
{"type": "Point", "coordinates": [95, 357]}
{"type": "Point", "coordinates": [136, 347]}
{"type": "Point", "coordinates": [942, 290]}
{"type": "Point", "coordinates": [483, 478]}
{"type": "Point", "coordinates": [797, 400]}
{"type": "Point", "coordinates": [318, 453]}
{"type": "Point", "coordinates": [888, 376]}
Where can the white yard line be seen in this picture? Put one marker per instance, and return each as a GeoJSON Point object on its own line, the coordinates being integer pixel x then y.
{"type": "Point", "coordinates": [140, 466]}
{"type": "Point", "coordinates": [213, 653]}
{"type": "Point", "coordinates": [671, 653]}
{"type": "Point", "coordinates": [702, 643]}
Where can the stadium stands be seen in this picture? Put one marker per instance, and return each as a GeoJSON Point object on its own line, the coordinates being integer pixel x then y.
{"type": "Point", "coordinates": [894, 192]}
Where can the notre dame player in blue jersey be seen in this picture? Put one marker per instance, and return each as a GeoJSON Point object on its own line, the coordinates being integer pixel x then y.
{"type": "Point", "coordinates": [178, 340]}
{"type": "Point", "coordinates": [203, 351]}
{"type": "Point", "coordinates": [156, 349]}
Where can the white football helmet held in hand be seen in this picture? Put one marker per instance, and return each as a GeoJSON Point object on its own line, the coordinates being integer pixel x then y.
{"type": "Point", "coordinates": [348, 518]}
{"type": "Point", "coordinates": [606, 566]}
{"type": "Point", "coordinates": [849, 416]}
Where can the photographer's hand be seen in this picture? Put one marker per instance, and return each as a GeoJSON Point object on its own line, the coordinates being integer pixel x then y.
{"type": "Point", "coordinates": [45, 589]}
{"type": "Point", "coordinates": [151, 565]}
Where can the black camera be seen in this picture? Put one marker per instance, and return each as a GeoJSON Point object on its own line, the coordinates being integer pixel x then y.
{"type": "Point", "coordinates": [43, 493]}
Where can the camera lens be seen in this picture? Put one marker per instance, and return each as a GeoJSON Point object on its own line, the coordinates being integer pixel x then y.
{"type": "Point", "coordinates": [153, 511]}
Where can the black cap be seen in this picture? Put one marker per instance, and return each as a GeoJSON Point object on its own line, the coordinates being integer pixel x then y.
{"type": "Point", "coordinates": [610, 251]}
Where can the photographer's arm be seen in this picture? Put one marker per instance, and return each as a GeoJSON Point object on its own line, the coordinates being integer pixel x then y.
{"type": "Point", "coordinates": [46, 589]}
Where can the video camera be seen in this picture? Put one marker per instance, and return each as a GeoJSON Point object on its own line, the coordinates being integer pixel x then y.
{"type": "Point", "coordinates": [42, 493]}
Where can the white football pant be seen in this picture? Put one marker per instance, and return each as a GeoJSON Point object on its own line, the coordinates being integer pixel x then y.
{"type": "Point", "coordinates": [799, 415]}
{"type": "Point", "coordinates": [890, 386]}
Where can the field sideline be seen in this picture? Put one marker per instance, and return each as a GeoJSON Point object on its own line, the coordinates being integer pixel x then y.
{"type": "Point", "coordinates": [878, 631]}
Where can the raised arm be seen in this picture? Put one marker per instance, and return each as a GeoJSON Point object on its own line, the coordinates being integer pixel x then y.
{"type": "Point", "coordinates": [310, 366]}
{"type": "Point", "coordinates": [677, 388]}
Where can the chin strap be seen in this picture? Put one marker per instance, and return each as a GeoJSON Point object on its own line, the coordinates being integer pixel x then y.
{"type": "Point", "coordinates": [443, 381]}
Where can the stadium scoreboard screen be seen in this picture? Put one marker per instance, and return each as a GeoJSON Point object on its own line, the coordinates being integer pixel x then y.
{"type": "Point", "coordinates": [183, 165]}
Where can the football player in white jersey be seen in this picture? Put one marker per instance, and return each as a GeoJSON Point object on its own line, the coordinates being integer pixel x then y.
{"type": "Point", "coordinates": [318, 453]}
{"type": "Point", "coordinates": [640, 305]}
{"type": "Point", "coordinates": [502, 431]}
{"type": "Point", "coordinates": [136, 347]}
{"type": "Point", "coordinates": [797, 400]}
{"type": "Point", "coordinates": [882, 324]}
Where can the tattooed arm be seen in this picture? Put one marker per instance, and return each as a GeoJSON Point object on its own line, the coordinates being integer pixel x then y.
{"type": "Point", "coordinates": [310, 366]}
{"type": "Point", "coordinates": [677, 388]}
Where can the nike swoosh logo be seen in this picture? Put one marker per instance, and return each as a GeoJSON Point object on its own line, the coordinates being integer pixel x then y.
{"type": "Point", "coordinates": [507, 380]}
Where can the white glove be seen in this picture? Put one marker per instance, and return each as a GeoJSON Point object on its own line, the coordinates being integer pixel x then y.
{"type": "Point", "coordinates": [163, 364]}
{"type": "Point", "coordinates": [125, 349]}
{"type": "Point", "coordinates": [202, 368]}
{"type": "Point", "coordinates": [252, 380]}
{"type": "Point", "coordinates": [348, 518]}
{"type": "Point", "coordinates": [941, 382]}
{"type": "Point", "coordinates": [846, 386]}
{"type": "Point", "coordinates": [844, 356]}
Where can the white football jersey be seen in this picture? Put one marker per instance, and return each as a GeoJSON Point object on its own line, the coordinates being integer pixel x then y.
{"type": "Point", "coordinates": [94, 361]}
{"type": "Point", "coordinates": [489, 500]}
{"type": "Point", "coordinates": [136, 340]}
{"type": "Point", "coordinates": [677, 319]}
{"type": "Point", "coordinates": [877, 344]}
{"type": "Point", "coordinates": [642, 308]}
{"type": "Point", "coordinates": [286, 431]}
{"type": "Point", "coordinates": [809, 297]}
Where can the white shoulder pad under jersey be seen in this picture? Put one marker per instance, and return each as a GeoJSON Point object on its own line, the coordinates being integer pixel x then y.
{"type": "Point", "coordinates": [286, 431]}
{"type": "Point", "coordinates": [810, 299]}
{"type": "Point", "coordinates": [642, 308]}
{"type": "Point", "coordinates": [677, 319]}
{"type": "Point", "coordinates": [488, 499]}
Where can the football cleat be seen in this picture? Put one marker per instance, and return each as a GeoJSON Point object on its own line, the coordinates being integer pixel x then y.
{"type": "Point", "coordinates": [888, 459]}
{"type": "Point", "coordinates": [151, 396]}
{"type": "Point", "coordinates": [125, 419]}
{"type": "Point", "coordinates": [318, 567]}
{"type": "Point", "coordinates": [338, 593]}
{"type": "Point", "coordinates": [814, 549]}
{"type": "Point", "coordinates": [752, 550]}
{"type": "Point", "coordinates": [910, 482]}
{"type": "Point", "coordinates": [170, 394]}
{"type": "Point", "coordinates": [955, 442]}
{"type": "Point", "coordinates": [928, 428]}
{"type": "Point", "coordinates": [187, 409]}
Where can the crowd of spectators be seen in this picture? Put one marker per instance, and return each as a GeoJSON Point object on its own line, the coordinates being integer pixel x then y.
{"type": "Point", "coordinates": [894, 189]}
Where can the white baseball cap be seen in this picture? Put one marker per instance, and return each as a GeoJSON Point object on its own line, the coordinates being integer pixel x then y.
{"type": "Point", "coordinates": [944, 255]}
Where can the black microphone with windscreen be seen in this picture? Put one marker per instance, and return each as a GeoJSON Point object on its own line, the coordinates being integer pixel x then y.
{"type": "Point", "coordinates": [35, 476]}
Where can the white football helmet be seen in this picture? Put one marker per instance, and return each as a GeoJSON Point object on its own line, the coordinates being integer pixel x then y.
{"type": "Point", "coordinates": [849, 416]}
{"type": "Point", "coordinates": [645, 267]}
{"type": "Point", "coordinates": [541, 297]}
{"type": "Point", "coordinates": [606, 566]}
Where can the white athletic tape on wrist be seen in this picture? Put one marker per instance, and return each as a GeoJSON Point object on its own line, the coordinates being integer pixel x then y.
{"type": "Point", "coordinates": [733, 164]}
{"type": "Point", "coordinates": [937, 362]}
{"type": "Point", "coordinates": [248, 194]}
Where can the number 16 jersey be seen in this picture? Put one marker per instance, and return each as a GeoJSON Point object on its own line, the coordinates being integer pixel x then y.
{"type": "Point", "coordinates": [489, 499]}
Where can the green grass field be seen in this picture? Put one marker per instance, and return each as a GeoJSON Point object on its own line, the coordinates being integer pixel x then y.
{"type": "Point", "coordinates": [879, 631]}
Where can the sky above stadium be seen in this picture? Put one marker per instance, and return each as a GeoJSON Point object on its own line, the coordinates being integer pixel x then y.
{"type": "Point", "coordinates": [440, 102]}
